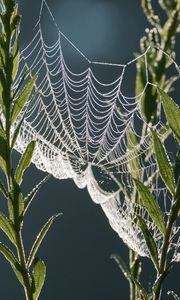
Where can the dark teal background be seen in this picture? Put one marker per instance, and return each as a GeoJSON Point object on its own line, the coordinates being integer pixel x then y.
{"type": "Point", "coordinates": [77, 249]}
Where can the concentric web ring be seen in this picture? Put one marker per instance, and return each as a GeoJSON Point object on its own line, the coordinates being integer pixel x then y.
{"type": "Point", "coordinates": [84, 129]}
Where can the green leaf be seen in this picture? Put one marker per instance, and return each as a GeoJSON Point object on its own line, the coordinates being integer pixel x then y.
{"type": "Point", "coordinates": [148, 104]}
{"type": "Point", "coordinates": [173, 294]}
{"type": "Point", "coordinates": [16, 57]}
{"type": "Point", "coordinates": [150, 204]}
{"type": "Point", "coordinates": [3, 151]}
{"type": "Point", "coordinates": [16, 205]}
{"type": "Point", "coordinates": [38, 278]}
{"type": "Point", "coordinates": [23, 98]}
{"type": "Point", "coordinates": [7, 228]}
{"type": "Point", "coordinates": [16, 133]}
{"type": "Point", "coordinates": [132, 153]}
{"type": "Point", "coordinates": [13, 262]}
{"type": "Point", "coordinates": [161, 278]}
{"type": "Point", "coordinates": [3, 190]}
{"type": "Point", "coordinates": [129, 276]}
{"type": "Point", "coordinates": [32, 194]}
{"type": "Point", "coordinates": [148, 10]}
{"type": "Point", "coordinates": [21, 81]}
{"type": "Point", "coordinates": [40, 238]}
{"type": "Point", "coordinates": [149, 242]}
{"type": "Point", "coordinates": [165, 169]}
{"type": "Point", "coordinates": [172, 113]}
{"type": "Point", "coordinates": [177, 167]}
{"type": "Point", "coordinates": [141, 76]}
{"type": "Point", "coordinates": [24, 162]}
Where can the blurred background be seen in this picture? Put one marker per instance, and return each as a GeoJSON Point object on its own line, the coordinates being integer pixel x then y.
{"type": "Point", "coordinates": [77, 249]}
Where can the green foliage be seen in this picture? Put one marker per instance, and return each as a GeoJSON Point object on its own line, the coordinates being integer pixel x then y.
{"type": "Point", "coordinates": [13, 105]}
{"type": "Point", "coordinates": [134, 164]}
{"type": "Point", "coordinates": [38, 277]}
{"type": "Point", "coordinates": [174, 295]}
{"type": "Point", "coordinates": [23, 98]}
{"type": "Point", "coordinates": [9, 256]}
{"type": "Point", "coordinates": [29, 198]}
{"type": "Point", "coordinates": [165, 169]}
{"type": "Point", "coordinates": [172, 113]}
{"type": "Point", "coordinates": [24, 162]}
{"type": "Point", "coordinates": [151, 205]}
{"type": "Point", "coordinates": [40, 238]}
{"type": "Point", "coordinates": [129, 276]}
{"type": "Point", "coordinates": [151, 244]}
{"type": "Point", "coordinates": [7, 227]}
{"type": "Point", "coordinates": [3, 151]}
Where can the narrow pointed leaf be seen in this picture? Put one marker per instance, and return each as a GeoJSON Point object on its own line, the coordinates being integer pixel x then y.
{"type": "Point", "coordinates": [162, 277]}
{"type": "Point", "coordinates": [149, 202]}
{"type": "Point", "coordinates": [172, 113]}
{"type": "Point", "coordinates": [13, 262]}
{"type": "Point", "coordinates": [40, 238]}
{"type": "Point", "coordinates": [38, 278]}
{"type": "Point", "coordinates": [165, 169]}
{"type": "Point", "coordinates": [7, 228]}
{"type": "Point", "coordinates": [16, 56]}
{"type": "Point", "coordinates": [177, 167]}
{"type": "Point", "coordinates": [174, 295]}
{"type": "Point", "coordinates": [32, 194]}
{"type": "Point", "coordinates": [133, 159]}
{"type": "Point", "coordinates": [149, 242]}
{"type": "Point", "coordinates": [3, 151]}
{"type": "Point", "coordinates": [16, 204]}
{"type": "Point", "coordinates": [129, 276]}
{"type": "Point", "coordinates": [23, 98]}
{"type": "Point", "coordinates": [3, 190]}
{"type": "Point", "coordinates": [25, 162]}
{"type": "Point", "coordinates": [16, 133]}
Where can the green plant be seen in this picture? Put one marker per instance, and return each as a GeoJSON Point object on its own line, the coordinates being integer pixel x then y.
{"type": "Point", "coordinates": [30, 271]}
{"type": "Point", "coordinates": [163, 37]}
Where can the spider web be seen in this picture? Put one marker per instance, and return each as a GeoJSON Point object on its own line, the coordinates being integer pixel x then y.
{"type": "Point", "coordinates": [81, 125]}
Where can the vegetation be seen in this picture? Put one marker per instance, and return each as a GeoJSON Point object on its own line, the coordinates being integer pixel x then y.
{"type": "Point", "coordinates": [30, 270]}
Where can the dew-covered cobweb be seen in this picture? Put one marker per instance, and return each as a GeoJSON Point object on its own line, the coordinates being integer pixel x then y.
{"type": "Point", "coordinates": [82, 124]}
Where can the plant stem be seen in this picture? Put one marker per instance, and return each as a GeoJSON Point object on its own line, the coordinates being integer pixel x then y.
{"type": "Point", "coordinates": [22, 259]}
{"type": "Point", "coordinates": [165, 248]}
{"type": "Point", "coordinates": [135, 268]}
{"type": "Point", "coordinates": [132, 286]}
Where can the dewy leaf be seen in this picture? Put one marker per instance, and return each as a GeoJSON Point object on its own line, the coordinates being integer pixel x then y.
{"type": "Point", "coordinates": [133, 159]}
{"type": "Point", "coordinates": [149, 202]}
{"type": "Point", "coordinates": [140, 77]}
{"type": "Point", "coordinates": [24, 162]}
{"type": "Point", "coordinates": [23, 98]}
{"type": "Point", "coordinates": [162, 277]}
{"type": "Point", "coordinates": [172, 113]}
{"type": "Point", "coordinates": [40, 238]}
{"type": "Point", "coordinates": [165, 169]}
{"type": "Point", "coordinates": [16, 204]}
{"type": "Point", "coordinates": [38, 278]}
{"type": "Point", "coordinates": [129, 276]}
{"type": "Point", "coordinates": [149, 241]}
{"type": "Point", "coordinates": [16, 133]}
{"type": "Point", "coordinates": [7, 228]}
{"type": "Point", "coordinates": [173, 294]}
{"type": "Point", "coordinates": [148, 10]}
{"type": "Point", "coordinates": [148, 103]}
{"type": "Point", "coordinates": [177, 167]}
{"type": "Point", "coordinates": [3, 150]}
{"type": "Point", "coordinates": [32, 194]}
{"type": "Point", "coordinates": [3, 190]}
{"type": "Point", "coordinates": [16, 56]}
{"type": "Point", "coordinates": [13, 262]}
